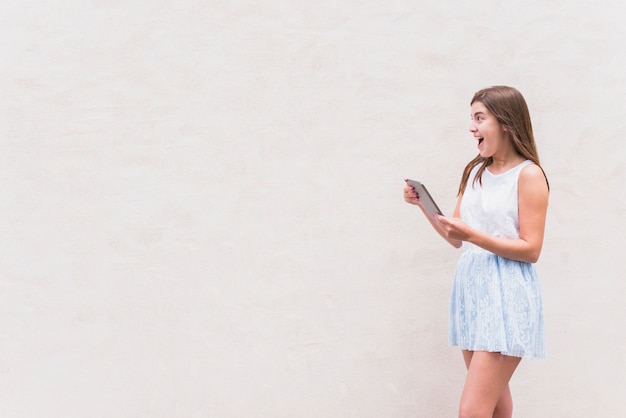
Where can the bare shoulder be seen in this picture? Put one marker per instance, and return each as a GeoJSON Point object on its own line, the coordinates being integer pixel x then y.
{"type": "Point", "coordinates": [532, 176]}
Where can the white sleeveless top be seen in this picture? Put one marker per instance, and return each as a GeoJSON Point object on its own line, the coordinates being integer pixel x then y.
{"type": "Point", "coordinates": [492, 208]}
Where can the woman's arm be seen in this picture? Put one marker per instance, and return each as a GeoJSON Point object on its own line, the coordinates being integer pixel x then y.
{"type": "Point", "coordinates": [532, 206]}
{"type": "Point", "coordinates": [410, 196]}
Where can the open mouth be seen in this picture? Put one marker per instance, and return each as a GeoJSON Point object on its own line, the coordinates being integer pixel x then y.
{"type": "Point", "coordinates": [480, 141]}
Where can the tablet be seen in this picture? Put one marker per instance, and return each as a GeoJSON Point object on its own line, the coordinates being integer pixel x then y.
{"type": "Point", "coordinates": [425, 197]}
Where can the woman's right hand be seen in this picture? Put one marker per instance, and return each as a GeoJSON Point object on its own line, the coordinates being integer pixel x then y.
{"type": "Point", "coordinates": [410, 195]}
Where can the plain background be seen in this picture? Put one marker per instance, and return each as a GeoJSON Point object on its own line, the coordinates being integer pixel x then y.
{"type": "Point", "coordinates": [201, 208]}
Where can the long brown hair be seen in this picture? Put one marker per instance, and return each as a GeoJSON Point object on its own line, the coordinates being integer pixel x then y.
{"type": "Point", "coordinates": [510, 109]}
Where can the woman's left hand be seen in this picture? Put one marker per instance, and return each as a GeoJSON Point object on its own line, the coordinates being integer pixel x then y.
{"type": "Point", "coordinates": [453, 228]}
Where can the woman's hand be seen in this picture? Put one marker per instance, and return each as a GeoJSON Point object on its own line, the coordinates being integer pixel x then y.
{"type": "Point", "coordinates": [453, 228]}
{"type": "Point", "coordinates": [411, 196]}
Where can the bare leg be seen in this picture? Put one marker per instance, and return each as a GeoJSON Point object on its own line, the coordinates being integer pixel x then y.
{"type": "Point", "coordinates": [504, 408]}
{"type": "Point", "coordinates": [486, 393]}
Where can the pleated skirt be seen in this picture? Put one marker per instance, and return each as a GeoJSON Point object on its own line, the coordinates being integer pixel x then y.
{"type": "Point", "coordinates": [496, 306]}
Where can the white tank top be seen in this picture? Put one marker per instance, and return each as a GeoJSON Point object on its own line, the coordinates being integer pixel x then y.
{"type": "Point", "coordinates": [492, 208]}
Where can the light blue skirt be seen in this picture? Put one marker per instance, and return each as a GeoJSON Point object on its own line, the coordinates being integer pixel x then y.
{"type": "Point", "coordinates": [496, 306]}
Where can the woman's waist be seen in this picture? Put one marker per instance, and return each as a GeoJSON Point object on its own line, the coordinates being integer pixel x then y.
{"type": "Point", "coordinates": [477, 253]}
{"type": "Point", "coordinates": [468, 247]}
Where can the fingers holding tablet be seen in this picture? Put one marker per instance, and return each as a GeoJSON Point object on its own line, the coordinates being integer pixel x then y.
{"type": "Point", "coordinates": [421, 195]}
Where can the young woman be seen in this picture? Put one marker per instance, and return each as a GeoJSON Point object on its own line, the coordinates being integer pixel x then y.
{"type": "Point", "coordinates": [496, 315]}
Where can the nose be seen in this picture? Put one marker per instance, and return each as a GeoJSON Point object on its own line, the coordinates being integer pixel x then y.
{"type": "Point", "coordinates": [472, 127]}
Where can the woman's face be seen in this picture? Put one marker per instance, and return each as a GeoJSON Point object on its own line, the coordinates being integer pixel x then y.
{"type": "Point", "coordinates": [486, 129]}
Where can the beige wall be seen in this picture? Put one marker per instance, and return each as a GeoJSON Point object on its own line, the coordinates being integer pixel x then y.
{"type": "Point", "coordinates": [201, 210]}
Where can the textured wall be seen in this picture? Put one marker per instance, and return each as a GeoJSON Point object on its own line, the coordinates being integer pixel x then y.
{"type": "Point", "coordinates": [201, 211]}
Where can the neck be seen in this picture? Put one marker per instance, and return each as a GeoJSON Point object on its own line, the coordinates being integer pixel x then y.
{"type": "Point", "coordinates": [505, 161]}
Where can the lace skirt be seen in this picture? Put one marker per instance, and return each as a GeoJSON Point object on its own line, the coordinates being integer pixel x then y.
{"type": "Point", "coordinates": [496, 306]}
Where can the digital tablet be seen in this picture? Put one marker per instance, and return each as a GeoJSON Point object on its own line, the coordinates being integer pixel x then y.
{"type": "Point", "coordinates": [425, 197]}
